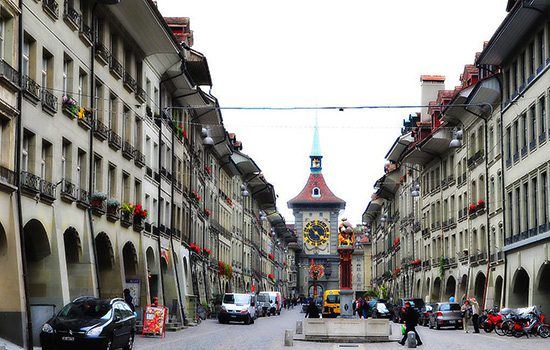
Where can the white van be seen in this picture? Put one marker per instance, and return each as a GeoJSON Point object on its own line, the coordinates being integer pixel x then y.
{"type": "Point", "coordinates": [273, 302]}
{"type": "Point", "coordinates": [238, 307]}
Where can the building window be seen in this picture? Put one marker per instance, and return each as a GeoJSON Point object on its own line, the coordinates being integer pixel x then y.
{"type": "Point", "coordinates": [25, 153]}
{"type": "Point", "coordinates": [533, 123]}
{"type": "Point", "coordinates": [66, 160]}
{"type": "Point", "coordinates": [542, 104]}
{"type": "Point", "coordinates": [534, 190]}
{"type": "Point", "coordinates": [96, 175]}
{"type": "Point", "coordinates": [2, 24]}
{"type": "Point", "coordinates": [65, 76]}
{"type": "Point", "coordinates": [316, 192]}
{"type": "Point", "coordinates": [125, 196]}
{"type": "Point", "coordinates": [26, 57]}
{"type": "Point", "coordinates": [111, 181]}
{"type": "Point", "coordinates": [545, 197]}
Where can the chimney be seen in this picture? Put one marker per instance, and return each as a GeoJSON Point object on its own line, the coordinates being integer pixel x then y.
{"type": "Point", "coordinates": [429, 87]}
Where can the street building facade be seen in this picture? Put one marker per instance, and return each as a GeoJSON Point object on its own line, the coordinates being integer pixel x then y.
{"type": "Point", "coordinates": [462, 207]}
{"type": "Point", "coordinates": [117, 171]}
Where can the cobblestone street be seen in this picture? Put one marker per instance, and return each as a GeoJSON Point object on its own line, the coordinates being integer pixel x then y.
{"type": "Point", "coordinates": [268, 333]}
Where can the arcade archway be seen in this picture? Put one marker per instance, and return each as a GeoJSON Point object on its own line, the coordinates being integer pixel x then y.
{"type": "Point", "coordinates": [519, 296]}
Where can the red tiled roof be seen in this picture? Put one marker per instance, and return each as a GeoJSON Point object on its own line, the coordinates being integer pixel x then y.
{"type": "Point", "coordinates": [432, 78]}
{"type": "Point", "coordinates": [316, 180]}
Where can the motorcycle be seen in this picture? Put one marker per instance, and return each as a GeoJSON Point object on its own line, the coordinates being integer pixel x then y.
{"type": "Point", "coordinates": [492, 320]}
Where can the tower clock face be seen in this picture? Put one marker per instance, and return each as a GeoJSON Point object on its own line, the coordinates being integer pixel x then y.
{"type": "Point", "coordinates": [316, 233]}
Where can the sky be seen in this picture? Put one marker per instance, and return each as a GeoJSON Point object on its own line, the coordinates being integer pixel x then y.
{"type": "Point", "coordinates": [304, 53]}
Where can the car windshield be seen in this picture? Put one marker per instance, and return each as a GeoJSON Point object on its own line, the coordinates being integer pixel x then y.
{"type": "Point", "coordinates": [381, 307]}
{"type": "Point", "coordinates": [236, 299]}
{"type": "Point", "coordinates": [94, 309]}
{"type": "Point", "coordinates": [417, 302]}
{"type": "Point", "coordinates": [449, 307]}
{"type": "Point", "coordinates": [333, 299]}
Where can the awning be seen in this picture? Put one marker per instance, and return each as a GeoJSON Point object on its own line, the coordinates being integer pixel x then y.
{"type": "Point", "coordinates": [246, 166]}
{"type": "Point", "coordinates": [373, 210]}
{"type": "Point", "coordinates": [520, 23]}
{"type": "Point", "coordinates": [485, 91]}
{"type": "Point", "coordinates": [388, 185]}
{"type": "Point", "coordinates": [144, 23]}
{"type": "Point", "coordinates": [454, 114]}
{"type": "Point", "coordinates": [433, 146]}
{"type": "Point", "coordinates": [399, 146]}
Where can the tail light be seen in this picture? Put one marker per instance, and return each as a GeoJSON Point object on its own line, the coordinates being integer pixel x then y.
{"type": "Point", "coordinates": [244, 311]}
{"type": "Point", "coordinates": [439, 314]}
{"type": "Point", "coordinates": [428, 314]}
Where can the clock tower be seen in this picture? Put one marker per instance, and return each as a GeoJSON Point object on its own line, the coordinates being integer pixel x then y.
{"type": "Point", "coordinates": [316, 210]}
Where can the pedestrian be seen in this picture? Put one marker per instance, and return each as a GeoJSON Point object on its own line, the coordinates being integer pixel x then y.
{"type": "Point", "coordinates": [312, 310]}
{"type": "Point", "coordinates": [475, 314]}
{"type": "Point", "coordinates": [365, 308]}
{"type": "Point", "coordinates": [129, 299]}
{"type": "Point", "coordinates": [411, 321]}
{"type": "Point", "coordinates": [463, 300]}
{"type": "Point", "coordinates": [452, 299]}
{"type": "Point", "coordinates": [467, 314]}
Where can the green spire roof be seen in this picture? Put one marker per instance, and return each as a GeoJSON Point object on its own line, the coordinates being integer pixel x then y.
{"type": "Point", "coordinates": [316, 149]}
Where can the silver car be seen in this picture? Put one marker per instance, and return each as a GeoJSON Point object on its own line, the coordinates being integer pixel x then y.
{"type": "Point", "coordinates": [445, 315]}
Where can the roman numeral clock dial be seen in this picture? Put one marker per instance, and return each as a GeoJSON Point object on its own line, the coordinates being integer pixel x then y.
{"type": "Point", "coordinates": [316, 233]}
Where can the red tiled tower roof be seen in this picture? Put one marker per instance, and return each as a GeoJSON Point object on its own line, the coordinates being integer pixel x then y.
{"type": "Point", "coordinates": [326, 197]}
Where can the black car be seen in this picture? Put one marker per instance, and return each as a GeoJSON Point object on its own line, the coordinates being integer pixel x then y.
{"type": "Point", "coordinates": [382, 310]}
{"type": "Point", "coordinates": [90, 323]}
{"type": "Point", "coordinates": [424, 314]}
{"type": "Point", "coordinates": [416, 303]}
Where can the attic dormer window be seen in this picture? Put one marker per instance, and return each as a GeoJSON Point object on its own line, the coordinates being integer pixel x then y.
{"type": "Point", "coordinates": [316, 192]}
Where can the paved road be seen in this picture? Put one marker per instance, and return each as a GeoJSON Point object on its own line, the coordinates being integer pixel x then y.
{"type": "Point", "coordinates": [268, 333]}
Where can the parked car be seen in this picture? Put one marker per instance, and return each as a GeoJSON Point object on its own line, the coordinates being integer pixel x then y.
{"type": "Point", "coordinates": [273, 304]}
{"type": "Point", "coordinates": [446, 314]}
{"type": "Point", "coordinates": [90, 323]}
{"type": "Point", "coordinates": [424, 316]}
{"type": "Point", "coordinates": [416, 303]}
{"type": "Point", "coordinates": [382, 310]}
{"type": "Point", "coordinates": [238, 307]}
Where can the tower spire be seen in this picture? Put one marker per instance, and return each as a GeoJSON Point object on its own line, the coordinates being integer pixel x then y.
{"type": "Point", "coordinates": [316, 155]}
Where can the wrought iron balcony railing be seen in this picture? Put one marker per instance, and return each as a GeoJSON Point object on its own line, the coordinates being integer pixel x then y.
{"type": "Point", "coordinates": [47, 190]}
{"type": "Point", "coordinates": [71, 14]}
{"type": "Point", "coordinates": [115, 141]}
{"type": "Point", "coordinates": [30, 182]}
{"type": "Point", "coordinates": [30, 87]}
{"type": "Point", "coordinates": [129, 82]}
{"type": "Point", "coordinates": [49, 101]}
{"type": "Point", "coordinates": [9, 73]}
{"type": "Point", "coordinates": [115, 67]}
{"type": "Point", "coordinates": [68, 190]}
{"type": "Point", "coordinates": [52, 7]}
{"type": "Point", "coordinates": [7, 176]}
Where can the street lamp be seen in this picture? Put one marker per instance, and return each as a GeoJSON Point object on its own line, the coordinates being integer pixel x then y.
{"type": "Point", "coordinates": [457, 136]}
{"type": "Point", "coordinates": [416, 189]}
{"type": "Point", "coordinates": [207, 140]}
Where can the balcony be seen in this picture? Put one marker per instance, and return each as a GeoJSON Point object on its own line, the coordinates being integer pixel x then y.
{"type": "Point", "coordinates": [126, 219]}
{"type": "Point", "coordinates": [524, 150]}
{"type": "Point", "coordinates": [47, 191]}
{"type": "Point", "coordinates": [139, 158]}
{"type": "Point", "coordinates": [115, 68]}
{"type": "Point", "coordinates": [101, 131]}
{"type": "Point", "coordinates": [140, 94]}
{"type": "Point", "coordinates": [51, 7]}
{"type": "Point", "coordinates": [30, 88]}
{"type": "Point", "coordinates": [7, 179]}
{"type": "Point", "coordinates": [83, 199]}
{"type": "Point", "coordinates": [85, 119]}
{"type": "Point", "coordinates": [127, 150]}
{"type": "Point", "coordinates": [85, 33]}
{"type": "Point", "coordinates": [113, 214]}
{"type": "Point", "coordinates": [9, 77]}
{"type": "Point", "coordinates": [115, 141]}
{"type": "Point", "coordinates": [129, 83]}
{"type": "Point", "coordinates": [49, 102]}
{"type": "Point", "coordinates": [425, 233]}
{"type": "Point", "coordinates": [102, 53]}
{"type": "Point", "coordinates": [99, 208]}
{"type": "Point", "coordinates": [68, 191]}
{"type": "Point", "coordinates": [30, 182]}
{"type": "Point", "coordinates": [71, 16]}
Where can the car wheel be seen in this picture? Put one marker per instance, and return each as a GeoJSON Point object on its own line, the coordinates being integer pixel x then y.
{"type": "Point", "coordinates": [437, 326]}
{"type": "Point", "coordinates": [430, 325]}
{"type": "Point", "coordinates": [109, 344]}
{"type": "Point", "coordinates": [130, 345]}
{"type": "Point", "coordinates": [251, 321]}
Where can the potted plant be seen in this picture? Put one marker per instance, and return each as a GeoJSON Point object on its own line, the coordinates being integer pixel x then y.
{"type": "Point", "coordinates": [98, 198]}
{"type": "Point", "coordinates": [70, 105]}
{"type": "Point", "coordinates": [140, 212]}
{"type": "Point", "coordinates": [112, 205]}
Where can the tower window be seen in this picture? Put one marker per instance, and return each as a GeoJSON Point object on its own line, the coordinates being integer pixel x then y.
{"type": "Point", "coordinates": [316, 192]}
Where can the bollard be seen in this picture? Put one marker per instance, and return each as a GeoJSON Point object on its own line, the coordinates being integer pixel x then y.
{"type": "Point", "coordinates": [298, 327]}
{"type": "Point", "coordinates": [289, 337]}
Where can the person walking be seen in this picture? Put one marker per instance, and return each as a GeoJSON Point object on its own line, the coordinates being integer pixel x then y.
{"type": "Point", "coordinates": [411, 321]}
{"type": "Point", "coordinates": [475, 314]}
{"type": "Point", "coordinates": [467, 314]}
{"type": "Point", "coordinates": [129, 299]}
{"type": "Point", "coordinates": [312, 310]}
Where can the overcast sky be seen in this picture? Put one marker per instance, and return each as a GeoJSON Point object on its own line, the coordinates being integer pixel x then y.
{"type": "Point", "coordinates": [330, 53]}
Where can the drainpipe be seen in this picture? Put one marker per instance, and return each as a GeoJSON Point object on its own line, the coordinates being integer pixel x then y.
{"type": "Point", "coordinates": [159, 186]}
{"type": "Point", "coordinates": [18, 146]}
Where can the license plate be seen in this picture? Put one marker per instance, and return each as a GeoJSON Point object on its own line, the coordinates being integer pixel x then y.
{"type": "Point", "coordinates": [67, 338]}
{"type": "Point", "coordinates": [233, 316]}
